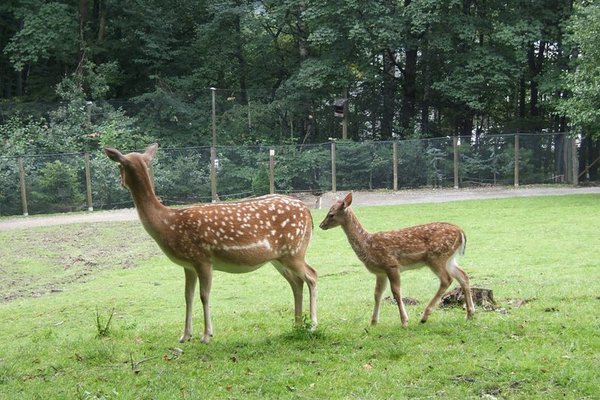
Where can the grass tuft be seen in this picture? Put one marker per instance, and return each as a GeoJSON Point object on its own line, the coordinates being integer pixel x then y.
{"type": "Point", "coordinates": [103, 328]}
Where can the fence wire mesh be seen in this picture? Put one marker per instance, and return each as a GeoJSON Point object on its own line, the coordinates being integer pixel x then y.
{"type": "Point", "coordinates": [58, 183]}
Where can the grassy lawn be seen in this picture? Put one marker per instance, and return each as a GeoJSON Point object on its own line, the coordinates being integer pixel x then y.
{"type": "Point", "coordinates": [60, 286]}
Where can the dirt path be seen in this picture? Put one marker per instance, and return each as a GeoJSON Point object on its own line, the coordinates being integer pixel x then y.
{"type": "Point", "coordinates": [324, 201]}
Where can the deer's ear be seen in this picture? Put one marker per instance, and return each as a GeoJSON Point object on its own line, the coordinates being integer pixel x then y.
{"type": "Point", "coordinates": [347, 200]}
{"type": "Point", "coordinates": [113, 154]}
{"type": "Point", "coordinates": [151, 150]}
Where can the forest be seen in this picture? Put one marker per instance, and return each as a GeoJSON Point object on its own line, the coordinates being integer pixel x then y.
{"type": "Point", "coordinates": [76, 75]}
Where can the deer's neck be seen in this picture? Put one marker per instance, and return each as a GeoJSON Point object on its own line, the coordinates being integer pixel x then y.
{"type": "Point", "coordinates": [151, 211]}
{"type": "Point", "coordinates": [356, 234]}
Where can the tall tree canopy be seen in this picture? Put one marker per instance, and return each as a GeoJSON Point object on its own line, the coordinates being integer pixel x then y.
{"type": "Point", "coordinates": [96, 70]}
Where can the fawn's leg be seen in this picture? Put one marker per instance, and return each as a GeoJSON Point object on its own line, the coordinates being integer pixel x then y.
{"type": "Point", "coordinates": [393, 276]}
{"type": "Point", "coordinates": [463, 279]}
{"type": "Point", "coordinates": [445, 280]}
{"type": "Point", "coordinates": [380, 285]}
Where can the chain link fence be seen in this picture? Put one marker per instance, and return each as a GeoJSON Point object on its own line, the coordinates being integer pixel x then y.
{"type": "Point", "coordinates": [78, 182]}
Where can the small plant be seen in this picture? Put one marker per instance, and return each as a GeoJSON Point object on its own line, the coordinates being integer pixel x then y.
{"type": "Point", "coordinates": [103, 328]}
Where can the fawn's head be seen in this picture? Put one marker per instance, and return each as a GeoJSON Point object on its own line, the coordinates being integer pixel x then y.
{"type": "Point", "coordinates": [337, 213]}
{"type": "Point", "coordinates": [133, 166]}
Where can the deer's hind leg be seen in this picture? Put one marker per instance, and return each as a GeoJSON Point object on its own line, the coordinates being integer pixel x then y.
{"type": "Point", "coordinates": [204, 272]}
{"type": "Point", "coordinates": [463, 280]}
{"type": "Point", "coordinates": [297, 272]}
{"type": "Point", "coordinates": [438, 268]}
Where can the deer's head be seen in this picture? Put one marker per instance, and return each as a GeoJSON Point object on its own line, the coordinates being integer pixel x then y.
{"type": "Point", "coordinates": [337, 213]}
{"type": "Point", "coordinates": [134, 167]}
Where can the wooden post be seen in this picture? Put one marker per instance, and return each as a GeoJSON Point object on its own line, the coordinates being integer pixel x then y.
{"type": "Point", "coordinates": [333, 171]}
{"type": "Point", "coordinates": [395, 163]}
{"type": "Point", "coordinates": [574, 162]}
{"type": "Point", "coordinates": [455, 147]}
{"type": "Point", "coordinates": [88, 181]}
{"type": "Point", "coordinates": [272, 171]}
{"type": "Point", "coordinates": [23, 186]}
{"type": "Point", "coordinates": [517, 159]}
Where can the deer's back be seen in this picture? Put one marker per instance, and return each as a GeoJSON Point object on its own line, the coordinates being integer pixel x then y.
{"type": "Point", "coordinates": [247, 233]}
{"type": "Point", "coordinates": [414, 246]}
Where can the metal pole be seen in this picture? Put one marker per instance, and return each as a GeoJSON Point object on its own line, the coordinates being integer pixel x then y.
{"type": "Point", "coordinates": [517, 159]}
{"type": "Point", "coordinates": [214, 117]}
{"type": "Point", "coordinates": [345, 118]}
{"type": "Point", "coordinates": [213, 150]}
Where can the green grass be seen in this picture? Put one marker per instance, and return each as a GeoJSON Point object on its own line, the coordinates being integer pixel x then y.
{"type": "Point", "coordinates": [62, 281]}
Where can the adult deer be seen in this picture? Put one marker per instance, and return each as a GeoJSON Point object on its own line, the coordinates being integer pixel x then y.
{"type": "Point", "coordinates": [386, 254]}
{"type": "Point", "coordinates": [232, 237]}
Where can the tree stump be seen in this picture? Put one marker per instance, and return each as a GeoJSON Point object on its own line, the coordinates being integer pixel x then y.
{"type": "Point", "coordinates": [408, 301]}
{"type": "Point", "coordinates": [483, 298]}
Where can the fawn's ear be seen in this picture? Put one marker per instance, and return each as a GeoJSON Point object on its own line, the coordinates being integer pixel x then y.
{"type": "Point", "coordinates": [347, 200]}
{"type": "Point", "coordinates": [113, 154]}
{"type": "Point", "coordinates": [151, 150]}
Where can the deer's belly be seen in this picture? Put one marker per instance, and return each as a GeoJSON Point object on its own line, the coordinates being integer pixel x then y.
{"type": "Point", "coordinates": [231, 267]}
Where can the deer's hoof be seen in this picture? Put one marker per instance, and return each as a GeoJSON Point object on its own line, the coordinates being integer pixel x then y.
{"type": "Point", "coordinates": [184, 338]}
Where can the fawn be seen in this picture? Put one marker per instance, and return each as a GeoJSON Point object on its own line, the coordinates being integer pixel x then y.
{"type": "Point", "coordinates": [232, 237]}
{"type": "Point", "coordinates": [386, 254]}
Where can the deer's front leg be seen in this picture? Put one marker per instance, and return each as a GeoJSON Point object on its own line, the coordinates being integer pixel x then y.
{"type": "Point", "coordinates": [380, 285]}
{"type": "Point", "coordinates": [393, 275]}
{"type": "Point", "coordinates": [204, 272]}
{"type": "Point", "coordinates": [190, 288]}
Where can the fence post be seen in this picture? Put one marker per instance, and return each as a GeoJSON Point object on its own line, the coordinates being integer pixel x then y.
{"type": "Point", "coordinates": [333, 172]}
{"type": "Point", "coordinates": [395, 163]}
{"type": "Point", "coordinates": [23, 186]}
{"type": "Point", "coordinates": [213, 174]}
{"type": "Point", "coordinates": [455, 147]}
{"type": "Point", "coordinates": [271, 171]}
{"type": "Point", "coordinates": [88, 181]}
{"type": "Point", "coordinates": [574, 162]}
{"type": "Point", "coordinates": [517, 159]}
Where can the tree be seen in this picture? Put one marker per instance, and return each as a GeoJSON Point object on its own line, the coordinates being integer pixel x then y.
{"type": "Point", "coordinates": [583, 81]}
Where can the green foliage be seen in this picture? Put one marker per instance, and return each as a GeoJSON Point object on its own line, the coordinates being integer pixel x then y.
{"type": "Point", "coordinates": [9, 187]}
{"type": "Point", "coordinates": [182, 177]}
{"type": "Point", "coordinates": [410, 69]}
{"type": "Point", "coordinates": [57, 187]}
{"type": "Point", "coordinates": [106, 184]}
{"type": "Point", "coordinates": [49, 31]}
{"type": "Point", "coordinates": [583, 80]}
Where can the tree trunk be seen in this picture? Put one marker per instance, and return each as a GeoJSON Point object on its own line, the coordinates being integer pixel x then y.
{"type": "Point", "coordinates": [389, 94]}
{"type": "Point", "coordinates": [409, 88]}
